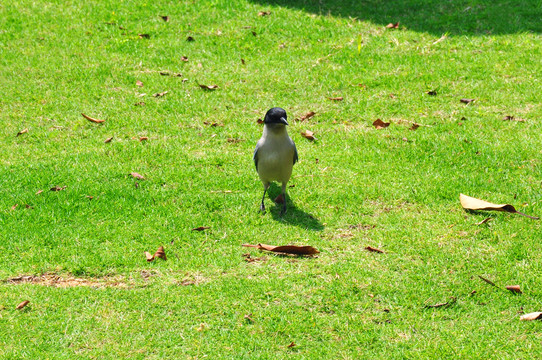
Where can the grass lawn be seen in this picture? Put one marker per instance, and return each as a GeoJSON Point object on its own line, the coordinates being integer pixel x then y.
{"type": "Point", "coordinates": [78, 253]}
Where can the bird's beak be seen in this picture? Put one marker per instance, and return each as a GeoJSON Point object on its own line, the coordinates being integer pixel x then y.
{"type": "Point", "coordinates": [283, 121]}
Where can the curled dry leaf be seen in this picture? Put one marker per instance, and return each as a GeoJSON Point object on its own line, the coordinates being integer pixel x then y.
{"type": "Point", "coordinates": [160, 94]}
{"type": "Point", "coordinates": [292, 344]}
{"type": "Point", "coordinates": [144, 138]}
{"type": "Point", "coordinates": [372, 249]}
{"type": "Point", "coordinates": [139, 83]}
{"type": "Point", "coordinates": [466, 101]}
{"type": "Point", "coordinates": [137, 176]}
{"type": "Point", "coordinates": [164, 73]}
{"type": "Point", "coordinates": [58, 188]}
{"type": "Point", "coordinates": [14, 207]}
{"type": "Point", "coordinates": [259, 121]}
{"type": "Point", "coordinates": [208, 87]}
{"type": "Point", "coordinates": [471, 203]}
{"type": "Point", "coordinates": [24, 131]}
{"type": "Point", "coordinates": [307, 134]}
{"type": "Point", "coordinates": [307, 116]}
{"type": "Point", "coordinates": [184, 58]}
{"type": "Point", "coordinates": [201, 228]}
{"type": "Point", "coordinates": [486, 220]}
{"type": "Point", "coordinates": [514, 289]}
{"type": "Point", "coordinates": [392, 25]}
{"type": "Point", "coordinates": [379, 124]}
{"type": "Point", "coordinates": [190, 38]}
{"type": "Point", "coordinates": [511, 118]}
{"type": "Point", "coordinates": [279, 199]}
{"type": "Point", "coordinates": [92, 119]}
{"type": "Point", "coordinates": [149, 256]}
{"type": "Point", "coordinates": [160, 253]}
{"type": "Point", "coordinates": [165, 18]}
{"type": "Point", "coordinates": [22, 305]}
{"type": "Point", "coordinates": [338, 98]}
{"type": "Point", "coordinates": [108, 140]}
{"type": "Point", "coordinates": [414, 126]}
{"type": "Point", "coordinates": [431, 92]}
{"type": "Point", "coordinates": [242, 61]}
{"type": "Point", "coordinates": [264, 13]}
{"type": "Point", "coordinates": [286, 249]}
{"type": "Point", "coordinates": [144, 36]}
{"type": "Point", "coordinates": [531, 316]}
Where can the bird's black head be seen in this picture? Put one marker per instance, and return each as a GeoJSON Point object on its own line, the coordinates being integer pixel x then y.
{"type": "Point", "coordinates": [275, 115]}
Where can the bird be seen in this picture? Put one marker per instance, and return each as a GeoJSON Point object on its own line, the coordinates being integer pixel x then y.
{"type": "Point", "coordinates": [275, 153]}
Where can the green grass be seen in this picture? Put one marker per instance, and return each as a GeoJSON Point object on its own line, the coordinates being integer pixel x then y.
{"type": "Point", "coordinates": [394, 189]}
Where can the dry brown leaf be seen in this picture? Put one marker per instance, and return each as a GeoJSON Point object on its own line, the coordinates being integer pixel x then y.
{"type": "Point", "coordinates": [471, 203]}
{"type": "Point", "coordinates": [307, 134]}
{"type": "Point", "coordinates": [149, 256]}
{"type": "Point", "coordinates": [92, 119]}
{"type": "Point", "coordinates": [184, 58]}
{"type": "Point", "coordinates": [208, 87]}
{"type": "Point", "coordinates": [139, 83]}
{"type": "Point", "coordinates": [144, 36]}
{"type": "Point", "coordinates": [137, 176]}
{"type": "Point", "coordinates": [286, 249]}
{"type": "Point", "coordinates": [292, 344]}
{"type": "Point", "coordinates": [108, 140]}
{"type": "Point", "coordinates": [57, 188]}
{"type": "Point", "coordinates": [379, 124]}
{"type": "Point", "coordinates": [487, 281]}
{"type": "Point", "coordinates": [514, 289]}
{"type": "Point", "coordinates": [431, 92]}
{"type": "Point", "coordinates": [201, 228]}
{"type": "Point", "coordinates": [414, 126]}
{"type": "Point", "coordinates": [24, 131]}
{"type": "Point", "coordinates": [22, 305]}
{"type": "Point", "coordinates": [511, 118]}
{"type": "Point", "coordinates": [392, 25]}
{"type": "Point", "coordinates": [28, 206]}
{"type": "Point", "coordinates": [141, 103]}
{"type": "Point", "coordinates": [372, 249]}
{"type": "Point", "coordinates": [279, 199]}
{"type": "Point", "coordinates": [466, 101]}
{"type": "Point", "coordinates": [160, 94]}
{"type": "Point", "coordinates": [264, 13]}
{"type": "Point", "coordinates": [190, 38]}
{"type": "Point", "coordinates": [486, 220]}
{"type": "Point", "coordinates": [307, 116]}
{"type": "Point", "coordinates": [165, 18]}
{"type": "Point", "coordinates": [242, 61]}
{"type": "Point", "coordinates": [531, 316]}
{"type": "Point", "coordinates": [338, 98]}
{"type": "Point", "coordinates": [160, 253]}
{"type": "Point", "coordinates": [259, 121]}
{"type": "Point", "coordinates": [144, 138]}
{"type": "Point", "coordinates": [164, 73]}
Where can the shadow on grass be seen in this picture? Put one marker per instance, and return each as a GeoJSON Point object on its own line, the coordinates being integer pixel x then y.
{"type": "Point", "coordinates": [294, 215]}
{"type": "Point", "coordinates": [463, 17]}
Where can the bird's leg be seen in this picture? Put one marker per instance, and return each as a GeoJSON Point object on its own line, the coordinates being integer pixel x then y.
{"type": "Point", "coordinates": [262, 206]}
{"type": "Point", "coordinates": [283, 211]}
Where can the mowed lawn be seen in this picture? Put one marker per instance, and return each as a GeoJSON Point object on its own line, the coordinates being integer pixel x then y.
{"type": "Point", "coordinates": [77, 254]}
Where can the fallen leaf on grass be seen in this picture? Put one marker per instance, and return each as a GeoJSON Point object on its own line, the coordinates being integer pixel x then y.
{"type": "Point", "coordinates": [22, 305]}
{"type": "Point", "coordinates": [452, 300]}
{"type": "Point", "coordinates": [531, 316]}
{"type": "Point", "coordinates": [28, 206]}
{"type": "Point", "coordinates": [164, 73]}
{"type": "Point", "coordinates": [471, 203]}
{"type": "Point", "coordinates": [259, 121]}
{"type": "Point", "coordinates": [487, 281]}
{"type": "Point", "coordinates": [149, 256]}
{"type": "Point", "coordinates": [24, 131]}
{"type": "Point", "coordinates": [248, 317]}
{"type": "Point", "coordinates": [511, 118]}
{"type": "Point", "coordinates": [242, 61]}
{"type": "Point", "coordinates": [514, 289]}
{"type": "Point", "coordinates": [292, 344]}
{"type": "Point", "coordinates": [208, 87]}
{"type": "Point", "coordinates": [212, 124]}
{"type": "Point", "coordinates": [307, 116]}
{"type": "Point", "coordinates": [286, 249]}
{"type": "Point", "coordinates": [160, 94]}
{"type": "Point", "coordinates": [307, 134]}
{"type": "Point", "coordinates": [431, 92]}
{"type": "Point", "coordinates": [201, 228]}
{"type": "Point", "coordinates": [92, 119]}
{"type": "Point", "coordinates": [108, 140]}
{"type": "Point", "coordinates": [264, 13]}
{"type": "Point", "coordinates": [160, 253]}
{"type": "Point", "coordinates": [139, 83]}
{"type": "Point", "coordinates": [379, 124]}
{"type": "Point", "coordinates": [392, 25]}
{"type": "Point", "coordinates": [137, 176]}
{"type": "Point", "coordinates": [144, 138]}
{"type": "Point", "coordinates": [414, 126]}
{"type": "Point", "coordinates": [486, 220]}
{"type": "Point", "coordinates": [190, 38]}
{"type": "Point", "coordinates": [279, 199]}
{"type": "Point", "coordinates": [57, 188]}
{"type": "Point", "coordinates": [141, 103]}
{"type": "Point", "coordinates": [14, 207]}
{"type": "Point", "coordinates": [338, 98]}
{"type": "Point", "coordinates": [466, 101]}
{"type": "Point", "coordinates": [144, 36]}
{"type": "Point", "coordinates": [184, 58]}
{"type": "Point", "coordinates": [372, 249]}
{"type": "Point", "coordinates": [165, 18]}
{"type": "Point", "coordinates": [233, 140]}
{"type": "Point", "coordinates": [39, 192]}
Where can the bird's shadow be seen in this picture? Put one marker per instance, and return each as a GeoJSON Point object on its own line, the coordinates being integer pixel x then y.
{"type": "Point", "coordinates": [294, 215]}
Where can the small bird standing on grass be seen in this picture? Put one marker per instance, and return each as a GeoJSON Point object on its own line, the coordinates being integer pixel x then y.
{"type": "Point", "coordinates": [275, 153]}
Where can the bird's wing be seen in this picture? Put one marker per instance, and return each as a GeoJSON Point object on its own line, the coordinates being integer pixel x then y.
{"type": "Point", "coordinates": [255, 157]}
{"type": "Point", "coordinates": [296, 157]}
